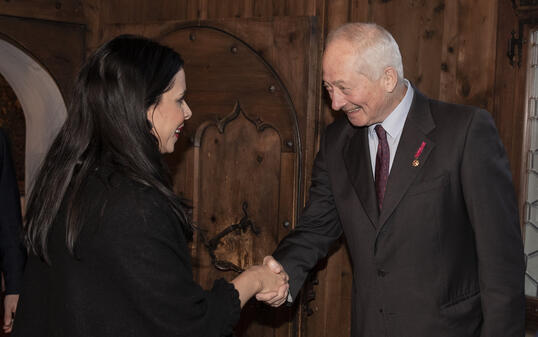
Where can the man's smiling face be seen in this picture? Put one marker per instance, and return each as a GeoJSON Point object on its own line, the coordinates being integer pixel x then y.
{"type": "Point", "coordinates": [364, 101]}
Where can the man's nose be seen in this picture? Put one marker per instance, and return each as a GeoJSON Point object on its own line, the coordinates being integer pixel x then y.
{"type": "Point", "coordinates": [337, 101]}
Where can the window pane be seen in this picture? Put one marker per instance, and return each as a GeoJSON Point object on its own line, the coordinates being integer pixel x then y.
{"type": "Point", "coordinates": [531, 205]}
{"type": "Point", "coordinates": [530, 286]}
{"type": "Point", "coordinates": [533, 214]}
{"type": "Point", "coordinates": [532, 187]}
{"type": "Point", "coordinates": [533, 125]}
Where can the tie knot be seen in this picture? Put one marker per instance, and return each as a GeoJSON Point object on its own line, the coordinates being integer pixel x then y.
{"type": "Point", "coordinates": [381, 133]}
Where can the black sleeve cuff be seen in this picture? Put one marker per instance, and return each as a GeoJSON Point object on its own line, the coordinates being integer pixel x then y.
{"type": "Point", "coordinates": [227, 303]}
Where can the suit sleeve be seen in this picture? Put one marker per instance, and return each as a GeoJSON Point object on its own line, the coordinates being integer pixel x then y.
{"type": "Point", "coordinates": [491, 203]}
{"type": "Point", "coordinates": [317, 229]}
{"type": "Point", "coordinates": [12, 253]}
{"type": "Point", "coordinates": [144, 249]}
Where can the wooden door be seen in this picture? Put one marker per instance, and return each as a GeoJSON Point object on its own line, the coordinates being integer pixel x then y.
{"type": "Point", "coordinates": [252, 86]}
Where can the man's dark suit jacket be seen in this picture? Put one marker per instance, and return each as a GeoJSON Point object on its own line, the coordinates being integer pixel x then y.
{"type": "Point", "coordinates": [12, 253]}
{"type": "Point", "coordinates": [444, 257]}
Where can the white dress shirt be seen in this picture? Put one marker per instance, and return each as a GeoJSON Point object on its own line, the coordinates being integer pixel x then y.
{"type": "Point", "coordinates": [393, 125]}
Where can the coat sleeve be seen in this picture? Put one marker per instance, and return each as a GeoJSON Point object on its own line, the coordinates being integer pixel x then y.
{"type": "Point", "coordinates": [144, 249]}
{"type": "Point", "coordinates": [492, 207]}
{"type": "Point", "coordinates": [12, 253]}
{"type": "Point", "coordinates": [316, 230]}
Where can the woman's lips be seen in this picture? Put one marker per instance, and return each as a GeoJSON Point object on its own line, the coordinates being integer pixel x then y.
{"type": "Point", "coordinates": [178, 130]}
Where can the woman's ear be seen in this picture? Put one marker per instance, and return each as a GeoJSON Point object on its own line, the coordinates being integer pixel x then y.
{"type": "Point", "coordinates": [149, 113]}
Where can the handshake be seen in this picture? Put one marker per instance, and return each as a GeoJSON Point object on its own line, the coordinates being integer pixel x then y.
{"type": "Point", "coordinates": [268, 281]}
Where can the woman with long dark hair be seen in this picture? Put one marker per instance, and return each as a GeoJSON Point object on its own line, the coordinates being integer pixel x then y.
{"type": "Point", "coordinates": [106, 235]}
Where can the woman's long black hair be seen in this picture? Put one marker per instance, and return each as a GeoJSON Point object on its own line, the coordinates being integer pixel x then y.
{"type": "Point", "coordinates": [107, 123]}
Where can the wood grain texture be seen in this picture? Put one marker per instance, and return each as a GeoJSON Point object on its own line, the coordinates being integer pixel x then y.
{"type": "Point", "coordinates": [453, 50]}
{"type": "Point", "coordinates": [471, 33]}
{"type": "Point", "coordinates": [509, 97]}
{"type": "Point", "coordinates": [53, 10]}
{"type": "Point", "coordinates": [45, 41]}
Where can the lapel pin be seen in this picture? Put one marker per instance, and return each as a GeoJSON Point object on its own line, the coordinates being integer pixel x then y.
{"type": "Point", "coordinates": [416, 162]}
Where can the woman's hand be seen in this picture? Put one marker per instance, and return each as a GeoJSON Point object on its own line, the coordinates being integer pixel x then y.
{"type": "Point", "coordinates": [272, 298]}
{"type": "Point", "coordinates": [260, 279]}
{"type": "Point", "coordinates": [268, 281]}
{"type": "Point", "coordinates": [10, 307]}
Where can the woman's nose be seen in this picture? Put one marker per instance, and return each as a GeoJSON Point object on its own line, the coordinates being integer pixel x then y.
{"type": "Point", "coordinates": [187, 113]}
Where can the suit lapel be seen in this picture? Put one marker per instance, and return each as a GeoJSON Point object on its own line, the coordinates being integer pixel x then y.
{"type": "Point", "coordinates": [418, 124]}
{"type": "Point", "coordinates": [357, 160]}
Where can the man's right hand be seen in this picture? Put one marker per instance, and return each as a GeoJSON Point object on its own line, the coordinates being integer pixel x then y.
{"type": "Point", "coordinates": [271, 298]}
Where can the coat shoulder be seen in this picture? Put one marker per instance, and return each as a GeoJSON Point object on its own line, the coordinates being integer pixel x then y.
{"type": "Point", "coordinates": [340, 130]}
{"type": "Point", "coordinates": [457, 115]}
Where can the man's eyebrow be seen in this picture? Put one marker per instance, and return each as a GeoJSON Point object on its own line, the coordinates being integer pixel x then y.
{"type": "Point", "coordinates": [339, 83]}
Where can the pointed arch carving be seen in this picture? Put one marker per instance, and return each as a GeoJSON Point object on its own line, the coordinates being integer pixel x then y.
{"type": "Point", "coordinates": [221, 123]}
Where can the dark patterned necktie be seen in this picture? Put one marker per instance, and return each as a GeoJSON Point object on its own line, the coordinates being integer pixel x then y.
{"type": "Point", "coordinates": [381, 165]}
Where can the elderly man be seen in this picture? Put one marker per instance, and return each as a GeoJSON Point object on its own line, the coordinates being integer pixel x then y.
{"type": "Point", "coordinates": [12, 254]}
{"type": "Point", "coordinates": [422, 191]}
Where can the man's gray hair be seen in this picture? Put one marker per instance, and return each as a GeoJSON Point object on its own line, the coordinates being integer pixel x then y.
{"type": "Point", "coordinates": [375, 48]}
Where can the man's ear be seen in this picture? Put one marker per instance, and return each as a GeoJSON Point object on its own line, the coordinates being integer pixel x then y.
{"type": "Point", "coordinates": [390, 79]}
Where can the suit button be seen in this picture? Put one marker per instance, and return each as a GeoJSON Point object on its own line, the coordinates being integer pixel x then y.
{"type": "Point", "coordinates": [381, 273]}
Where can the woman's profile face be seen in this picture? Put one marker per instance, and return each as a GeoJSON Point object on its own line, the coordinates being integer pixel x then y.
{"type": "Point", "coordinates": [168, 116]}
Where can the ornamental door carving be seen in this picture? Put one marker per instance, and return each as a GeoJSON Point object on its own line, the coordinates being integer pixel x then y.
{"type": "Point", "coordinates": [243, 155]}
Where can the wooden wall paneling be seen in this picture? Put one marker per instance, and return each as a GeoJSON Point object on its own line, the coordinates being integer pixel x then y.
{"type": "Point", "coordinates": [360, 11]}
{"type": "Point", "coordinates": [63, 11]}
{"type": "Point", "coordinates": [301, 8]}
{"type": "Point", "coordinates": [228, 9]}
{"type": "Point", "coordinates": [449, 58]}
{"type": "Point", "coordinates": [94, 30]}
{"type": "Point", "coordinates": [331, 306]}
{"type": "Point", "coordinates": [471, 31]}
{"type": "Point", "coordinates": [508, 109]}
{"type": "Point", "coordinates": [142, 11]}
{"type": "Point", "coordinates": [131, 11]}
{"type": "Point", "coordinates": [46, 41]}
{"type": "Point", "coordinates": [263, 8]}
{"type": "Point", "coordinates": [166, 10]}
{"type": "Point", "coordinates": [202, 9]}
{"type": "Point", "coordinates": [419, 34]}
{"type": "Point", "coordinates": [338, 13]}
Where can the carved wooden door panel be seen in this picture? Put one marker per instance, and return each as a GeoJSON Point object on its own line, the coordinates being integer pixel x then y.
{"type": "Point", "coordinates": [252, 87]}
{"type": "Point", "coordinates": [244, 162]}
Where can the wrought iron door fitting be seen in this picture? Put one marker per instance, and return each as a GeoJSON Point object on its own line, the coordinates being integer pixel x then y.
{"type": "Point", "coordinates": [514, 46]}
{"type": "Point", "coordinates": [211, 245]}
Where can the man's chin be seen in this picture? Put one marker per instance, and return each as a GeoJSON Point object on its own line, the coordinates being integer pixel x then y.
{"type": "Point", "coordinates": [356, 120]}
